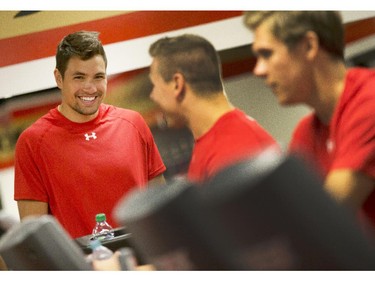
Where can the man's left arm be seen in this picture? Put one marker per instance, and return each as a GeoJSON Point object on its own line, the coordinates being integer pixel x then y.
{"type": "Point", "coordinates": [349, 187]}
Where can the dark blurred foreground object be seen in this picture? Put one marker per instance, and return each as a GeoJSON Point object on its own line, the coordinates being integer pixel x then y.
{"type": "Point", "coordinates": [41, 243]}
{"type": "Point", "coordinates": [6, 222]}
{"type": "Point", "coordinates": [168, 226]}
{"type": "Point", "coordinates": [267, 213]}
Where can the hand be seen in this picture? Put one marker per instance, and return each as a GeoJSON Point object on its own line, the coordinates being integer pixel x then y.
{"type": "Point", "coordinates": [122, 259]}
{"type": "Point", "coordinates": [111, 264]}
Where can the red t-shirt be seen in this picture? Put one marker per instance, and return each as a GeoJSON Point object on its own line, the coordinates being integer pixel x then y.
{"type": "Point", "coordinates": [233, 137]}
{"type": "Point", "coordinates": [84, 169]}
{"type": "Point", "coordinates": [348, 142]}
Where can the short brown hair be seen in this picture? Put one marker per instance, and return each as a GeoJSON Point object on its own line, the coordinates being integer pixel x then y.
{"type": "Point", "coordinates": [192, 56]}
{"type": "Point", "coordinates": [82, 44]}
{"type": "Point", "coordinates": [290, 26]}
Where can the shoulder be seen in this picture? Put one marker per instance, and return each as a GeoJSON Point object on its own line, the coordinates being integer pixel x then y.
{"type": "Point", "coordinates": [359, 83]}
{"type": "Point", "coordinates": [127, 117]}
{"type": "Point", "coordinates": [122, 113]}
{"type": "Point", "coordinates": [234, 119]}
{"type": "Point", "coordinates": [360, 73]}
{"type": "Point", "coordinates": [238, 121]}
{"type": "Point", "coordinates": [306, 129]}
{"type": "Point", "coordinates": [33, 136]}
{"type": "Point", "coordinates": [38, 127]}
{"type": "Point", "coordinates": [304, 134]}
{"type": "Point", "coordinates": [236, 128]}
{"type": "Point", "coordinates": [358, 99]}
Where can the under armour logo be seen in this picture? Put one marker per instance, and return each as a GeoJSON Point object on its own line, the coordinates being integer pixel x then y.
{"type": "Point", "coordinates": [92, 136]}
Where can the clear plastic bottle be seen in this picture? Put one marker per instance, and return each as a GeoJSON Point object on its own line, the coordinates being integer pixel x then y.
{"type": "Point", "coordinates": [102, 230]}
{"type": "Point", "coordinates": [99, 252]}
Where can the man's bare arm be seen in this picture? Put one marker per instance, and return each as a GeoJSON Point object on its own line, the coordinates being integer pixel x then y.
{"type": "Point", "coordinates": [32, 208]}
{"type": "Point", "coordinates": [157, 180]}
{"type": "Point", "coordinates": [349, 187]}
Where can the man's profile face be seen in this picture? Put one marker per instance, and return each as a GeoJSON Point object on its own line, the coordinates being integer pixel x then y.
{"type": "Point", "coordinates": [285, 72]}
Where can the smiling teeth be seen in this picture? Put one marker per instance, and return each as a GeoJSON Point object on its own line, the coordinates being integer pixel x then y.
{"type": "Point", "coordinates": [88, 98]}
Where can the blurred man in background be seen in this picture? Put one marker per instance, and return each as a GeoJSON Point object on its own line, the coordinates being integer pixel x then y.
{"type": "Point", "coordinates": [300, 55]}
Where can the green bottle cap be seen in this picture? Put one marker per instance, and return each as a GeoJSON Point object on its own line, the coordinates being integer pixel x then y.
{"type": "Point", "coordinates": [100, 217]}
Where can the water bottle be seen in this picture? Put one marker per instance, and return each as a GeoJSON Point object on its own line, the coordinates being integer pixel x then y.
{"type": "Point", "coordinates": [99, 252]}
{"type": "Point", "coordinates": [102, 230]}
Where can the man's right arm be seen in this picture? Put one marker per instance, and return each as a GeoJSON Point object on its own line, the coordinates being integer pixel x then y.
{"type": "Point", "coordinates": [31, 208]}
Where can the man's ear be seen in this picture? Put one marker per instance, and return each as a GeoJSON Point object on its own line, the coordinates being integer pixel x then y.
{"type": "Point", "coordinates": [312, 44]}
{"type": "Point", "coordinates": [179, 84]}
{"type": "Point", "coordinates": [58, 78]}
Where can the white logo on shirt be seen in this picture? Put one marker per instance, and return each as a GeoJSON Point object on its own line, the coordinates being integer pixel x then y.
{"type": "Point", "coordinates": [330, 145]}
{"type": "Point", "coordinates": [92, 136]}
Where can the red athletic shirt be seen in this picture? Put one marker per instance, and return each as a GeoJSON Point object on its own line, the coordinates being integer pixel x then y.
{"type": "Point", "coordinates": [348, 142]}
{"type": "Point", "coordinates": [84, 169]}
{"type": "Point", "coordinates": [233, 137]}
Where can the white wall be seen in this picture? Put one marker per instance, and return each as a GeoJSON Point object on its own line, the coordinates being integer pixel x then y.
{"type": "Point", "coordinates": [245, 91]}
{"type": "Point", "coordinates": [6, 192]}
{"type": "Point", "coordinates": [42, 79]}
{"type": "Point", "coordinates": [248, 93]}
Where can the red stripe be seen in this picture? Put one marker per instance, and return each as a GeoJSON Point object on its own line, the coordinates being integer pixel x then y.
{"type": "Point", "coordinates": [7, 163]}
{"type": "Point", "coordinates": [359, 29]}
{"type": "Point", "coordinates": [113, 29]}
{"type": "Point", "coordinates": [246, 65]}
{"type": "Point", "coordinates": [34, 111]}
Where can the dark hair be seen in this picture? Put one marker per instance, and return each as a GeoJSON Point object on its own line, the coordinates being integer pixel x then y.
{"type": "Point", "coordinates": [290, 26]}
{"type": "Point", "coordinates": [82, 44]}
{"type": "Point", "coordinates": [192, 56]}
